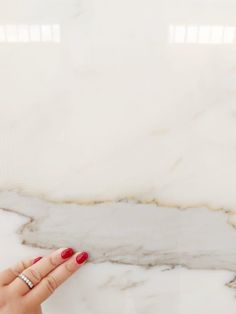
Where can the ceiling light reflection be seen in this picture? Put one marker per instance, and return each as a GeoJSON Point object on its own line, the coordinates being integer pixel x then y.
{"type": "Point", "coordinates": [30, 33]}
{"type": "Point", "coordinates": [201, 34]}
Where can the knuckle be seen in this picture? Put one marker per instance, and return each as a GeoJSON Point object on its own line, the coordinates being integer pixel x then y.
{"type": "Point", "coordinates": [68, 268]}
{"type": "Point", "coordinates": [33, 275]}
{"type": "Point", "coordinates": [13, 271]}
{"type": "Point", "coordinates": [52, 261]}
{"type": "Point", "coordinates": [51, 284]}
{"type": "Point", "coordinates": [24, 264]}
{"type": "Point", "coordinates": [20, 267]}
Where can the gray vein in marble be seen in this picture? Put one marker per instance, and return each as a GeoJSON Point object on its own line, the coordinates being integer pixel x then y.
{"type": "Point", "coordinates": [33, 225]}
{"type": "Point", "coordinates": [232, 283]}
{"type": "Point", "coordinates": [122, 286]}
{"type": "Point", "coordinates": [129, 233]}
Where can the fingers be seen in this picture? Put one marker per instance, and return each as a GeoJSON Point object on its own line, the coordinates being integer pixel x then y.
{"type": "Point", "coordinates": [10, 274]}
{"type": "Point", "coordinates": [49, 284]}
{"type": "Point", "coordinates": [36, 272]}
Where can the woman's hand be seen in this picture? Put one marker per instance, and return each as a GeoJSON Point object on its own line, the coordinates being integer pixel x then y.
{"type": "Point", "coordinates": [45, 274]}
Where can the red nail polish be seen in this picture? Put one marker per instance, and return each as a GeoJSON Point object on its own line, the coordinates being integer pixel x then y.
{"type": "Point", "coordinates": [82, 257]}
{"type": "Point", "coordinates": [67, 253]}
{"type": "Point", "coordinates": [37, 259]}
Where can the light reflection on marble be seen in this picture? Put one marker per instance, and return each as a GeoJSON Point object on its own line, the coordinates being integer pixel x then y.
{"type": "Point", "coordinates": [202, 34]}
{"type": "Point", "coordinates": [118, 134]}
{"type": "Point", "coordinates": [30, 33]}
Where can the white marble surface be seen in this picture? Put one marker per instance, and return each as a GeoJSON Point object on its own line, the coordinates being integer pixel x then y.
{"type": "Point", "coordinates": [128, 289]}
{"type": "Point", "coordinates": [118, 135]}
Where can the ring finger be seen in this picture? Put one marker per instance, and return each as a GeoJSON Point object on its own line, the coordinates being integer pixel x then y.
{"type": "Point", "coordinates": [8, 275]}
{"type": "Point", "coordinates": [39, 270]}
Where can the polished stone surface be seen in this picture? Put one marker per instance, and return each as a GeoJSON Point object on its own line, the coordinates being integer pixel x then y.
{"type": "Point", "coordinates": [118, 136]}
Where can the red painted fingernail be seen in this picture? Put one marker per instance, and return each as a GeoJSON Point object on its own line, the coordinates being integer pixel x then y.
{"type": "Point", "coordinates": [82, 257]}
{"type": "Point", "coordinates": [67, 253]}
{"type": "Point", "coordinates": [37, 259]}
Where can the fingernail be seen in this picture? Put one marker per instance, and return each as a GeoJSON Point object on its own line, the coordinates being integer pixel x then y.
{"type": "Point", "coordinates": [82, 257]}
{"type": "Point", "coordinates": [67, 253]}
{"type": "Point", "coordinates": [37, 259]}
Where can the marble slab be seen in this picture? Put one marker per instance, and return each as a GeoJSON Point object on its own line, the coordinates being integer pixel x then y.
{"type": "Point", "coordinates": [128, 289]}
{"type": "Point", "coordinates": [118, 136]}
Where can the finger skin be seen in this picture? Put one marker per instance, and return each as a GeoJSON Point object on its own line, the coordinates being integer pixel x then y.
{"type": "Point", "coordinates": [39, 270]}
{"type": "Point", "coordinates": [9, 275]}
{"type": "Point", "coordinates": [57, 277]}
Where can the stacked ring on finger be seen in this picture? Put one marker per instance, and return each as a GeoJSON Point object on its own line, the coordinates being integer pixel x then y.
{"type": "Point", "coordinates": [26, 280]}
{"type": "Point", "coordinates": [34, 274]}
{"type": "Point", "coordinates": [35, 280]}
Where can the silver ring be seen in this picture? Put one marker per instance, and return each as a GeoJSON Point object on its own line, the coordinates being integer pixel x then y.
{"type": "Point", "coordinates": [26, 280]}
